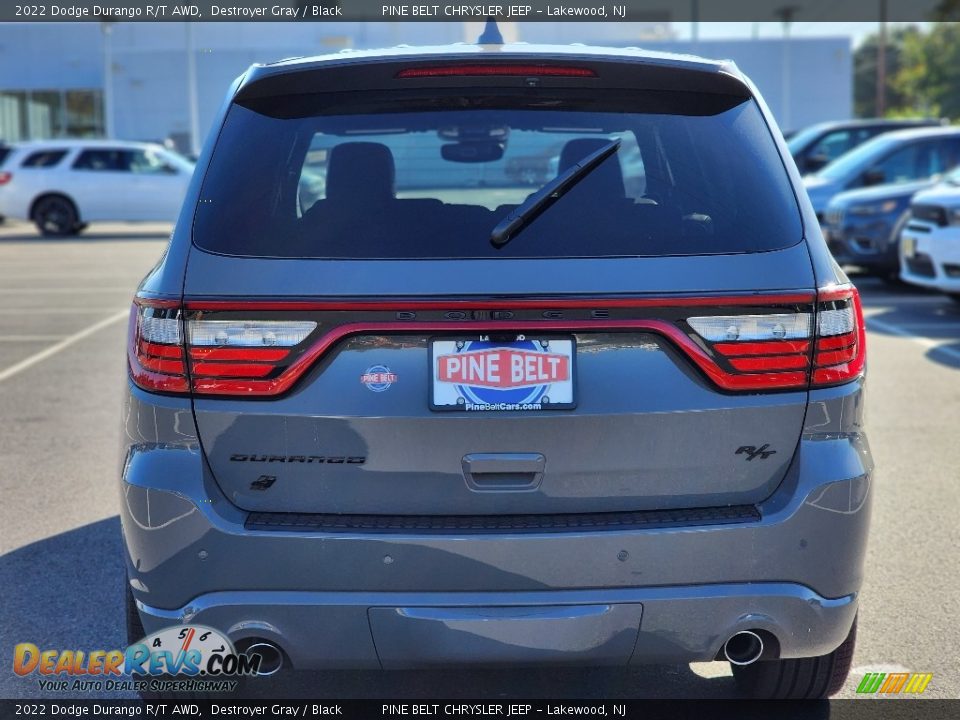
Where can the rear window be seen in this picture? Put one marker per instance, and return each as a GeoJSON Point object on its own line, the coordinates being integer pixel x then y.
{"type": "Point", "coordinates": [43, 158]}
{"type": "Point", "coordinates": [694, 174]}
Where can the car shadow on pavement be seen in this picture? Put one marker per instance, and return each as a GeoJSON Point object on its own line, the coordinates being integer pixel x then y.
{"type": "Point", "coordinates": [62, 592]}
{"type": "Point", "coordinates": [946, 353]}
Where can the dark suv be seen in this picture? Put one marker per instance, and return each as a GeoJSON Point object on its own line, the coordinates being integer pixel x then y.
{"type": "Point", "coordinates": [428, 414]}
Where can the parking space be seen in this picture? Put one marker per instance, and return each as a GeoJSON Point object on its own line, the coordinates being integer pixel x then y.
{"type": "Point", "coordinates": [63, 306]}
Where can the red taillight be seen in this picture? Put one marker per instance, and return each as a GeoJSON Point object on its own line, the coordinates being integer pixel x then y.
{"type": "Point", "coordinates": [789, 350]}
{"type": "Point", "coordinates": [170, 353]}
{"type": "Point", "coordinates": [155, 349]}
{"type": "Point", "coordinates": [758, 343]}
{"type": "Point", "coordinates": [496, 70]}
{"type": "Point", "coordinates": [5, 177]}
{"type": "Point", "coordinates": [759, 351]}
{"type": "Point", "coordinates": [841, 348]}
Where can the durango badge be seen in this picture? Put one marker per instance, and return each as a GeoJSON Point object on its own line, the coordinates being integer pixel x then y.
{"type": "Point", "coordinates": [378, 378]}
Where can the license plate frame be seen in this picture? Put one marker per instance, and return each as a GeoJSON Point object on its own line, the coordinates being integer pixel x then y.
{"type": "Point", "coordinates": [447, 395]}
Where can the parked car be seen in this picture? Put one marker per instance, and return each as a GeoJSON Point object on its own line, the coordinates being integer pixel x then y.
{"type": "Point", "coordinates": [421, 426]}
{"type": "Point", "coordinates": [62, 185]}
{"type": "Point", "coordinates": [930, 243]}
{"type": "Point", "coordinates": [862, 227]}
{"type": "Point", "coordinates": [902, 156]}
{"type": "Point", "coordinates": [815, 147]}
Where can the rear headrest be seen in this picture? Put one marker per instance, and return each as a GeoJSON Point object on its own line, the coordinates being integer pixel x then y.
{"type": "Point", "coordinates": [360, 170]}
{"type": "Point", "coordinates": [608, 177]}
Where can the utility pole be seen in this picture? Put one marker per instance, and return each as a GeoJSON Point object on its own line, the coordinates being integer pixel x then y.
{"type": "Point", "coordinates": [192, 91]}
{"type": "Point", "coordinates": [108, 123]}
{"type": "Point", "coordinates": [786, 15]}
{"type": "Point", "coordinates": [881, 99]}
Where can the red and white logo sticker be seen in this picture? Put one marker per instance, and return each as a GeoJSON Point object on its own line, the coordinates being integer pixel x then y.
{"type": "Point", "coordinates": [378, 378]}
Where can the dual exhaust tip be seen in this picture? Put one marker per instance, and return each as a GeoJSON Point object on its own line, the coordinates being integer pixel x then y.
{"type": "Point", "coordinates": [271, 657]}
{"type": "Point", "coordinates": [743, 648]}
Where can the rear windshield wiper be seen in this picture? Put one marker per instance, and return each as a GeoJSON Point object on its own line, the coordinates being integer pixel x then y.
{"type": "Point", "coordinates": [540, 201]}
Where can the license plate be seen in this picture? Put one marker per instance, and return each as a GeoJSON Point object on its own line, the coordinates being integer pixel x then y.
{"type": "Point", "coordinates": [909, 245]}
{"type": "Point", "coordinates": [482, 373]}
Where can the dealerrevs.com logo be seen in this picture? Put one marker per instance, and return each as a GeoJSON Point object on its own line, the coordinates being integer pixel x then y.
{"type": "Point", "coordinates": [190, 658]}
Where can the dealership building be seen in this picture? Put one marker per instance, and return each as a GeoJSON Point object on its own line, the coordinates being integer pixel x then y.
{"type": "Point", "coordinates": [159, 81]}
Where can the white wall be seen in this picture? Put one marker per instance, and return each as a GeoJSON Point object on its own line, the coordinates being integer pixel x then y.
{"type": "Point", "coordinates": [150, 76]}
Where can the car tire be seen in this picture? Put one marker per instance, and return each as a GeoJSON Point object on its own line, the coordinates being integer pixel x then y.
{"type": "Point", "coordinates": [955, 297]}
{"type": "Point", "coordinates": [891, 275]}
{"type": "Point", "coordinates": [55, 216]}
{"type": "Point", "coordinates": [798, 678]}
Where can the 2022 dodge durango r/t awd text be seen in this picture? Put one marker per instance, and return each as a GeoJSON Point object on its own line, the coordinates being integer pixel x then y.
{"type": "Point", "coordinates": [425, 414]}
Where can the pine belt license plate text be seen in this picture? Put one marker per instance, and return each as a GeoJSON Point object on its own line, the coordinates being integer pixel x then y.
{"type": "Point", "coordinates": [486, 373]}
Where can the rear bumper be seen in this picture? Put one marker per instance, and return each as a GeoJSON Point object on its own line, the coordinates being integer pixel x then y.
{"type": "Point", "coordinates": [352, 599]}
{"type": "Point", "coordinates": [675, 624]}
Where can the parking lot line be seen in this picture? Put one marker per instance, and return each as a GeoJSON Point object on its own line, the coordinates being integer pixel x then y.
{"type": "Point", "coordinates": [926, 342]}
{"type": "Point", "coordinates": [63, 290]}
{"type": "Point", "coordinates": [62, 345]}
{"type": "Point", "coordinates": [58, 310]}
{"type": "Point", "coordinates": [29, 338]}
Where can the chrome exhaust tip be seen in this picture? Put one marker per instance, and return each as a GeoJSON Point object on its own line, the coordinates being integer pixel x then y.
{"type": "Point", "coordinates": [271, 657]}
{"type": "Point", "coordinates": [743, 648]}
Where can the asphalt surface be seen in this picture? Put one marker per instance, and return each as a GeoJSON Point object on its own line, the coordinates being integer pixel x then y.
{"type": "Point", "coordinates": [62, 331]}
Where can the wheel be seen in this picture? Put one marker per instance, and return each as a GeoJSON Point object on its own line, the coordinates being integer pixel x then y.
{"type": "Point", "coordinates": [800, 678]}
{"type": "Point", "coordinates": [894, 241]}
{"type": "Point", "coordinates": [954, 296]}
{"type": "Point", "coordinates": [55, 216]}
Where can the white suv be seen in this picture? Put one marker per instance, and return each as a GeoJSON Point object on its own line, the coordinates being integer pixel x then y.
{"type": "Point", "coordinates": [930, 243]}
{"type": "Point", "coordinates": [61, 185]}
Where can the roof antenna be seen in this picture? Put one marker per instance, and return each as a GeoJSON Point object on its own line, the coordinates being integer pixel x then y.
{"type": "Point", "coordinates": [491, 34]}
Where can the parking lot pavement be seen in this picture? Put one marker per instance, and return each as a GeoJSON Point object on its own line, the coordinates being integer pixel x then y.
{"type": "Point", "coordinates": [62, 329]}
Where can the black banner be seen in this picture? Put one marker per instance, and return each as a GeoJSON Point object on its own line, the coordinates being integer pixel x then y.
{"type": "Point", "coordinates": [513, 11]}
{"type": "Point", "coordinates": [866, 709]}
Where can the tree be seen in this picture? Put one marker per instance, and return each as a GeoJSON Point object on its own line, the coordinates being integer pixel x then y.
{"type": "Point", "coordinates": [865, 71]}
{"type": "Point", "coordinates": [928, 79]}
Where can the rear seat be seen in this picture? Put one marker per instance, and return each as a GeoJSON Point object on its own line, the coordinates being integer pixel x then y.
{"type": "Point", "coordinates": [361, 207]}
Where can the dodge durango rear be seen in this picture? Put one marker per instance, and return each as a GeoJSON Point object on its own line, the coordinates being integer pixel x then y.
{"type": "Point", "coordinates": [525, 356]}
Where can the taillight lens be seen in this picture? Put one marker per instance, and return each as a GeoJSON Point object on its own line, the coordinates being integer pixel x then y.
{"type": "Point", "coordinates": [155, 350]}
{"type": "Point", "coordinates": [239, 357]}
{"type": "Point", "coordinates": [841, 351]}
{"type": "Point", "coordinates": [233, 357]}
{"type": "Point", "coordinates": [759, 351]}
{"type": "Point", "coordinates": [785, 350]}
{"type": "Point", "coordinates": [5, 177]}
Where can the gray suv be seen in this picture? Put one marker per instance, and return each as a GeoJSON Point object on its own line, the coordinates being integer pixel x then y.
{"type": "Point", "coordinates": [391, 406]}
